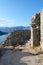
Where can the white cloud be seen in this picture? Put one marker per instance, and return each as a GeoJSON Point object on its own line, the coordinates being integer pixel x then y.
{"type": "Point", "coordinates": [6, 23]}
{"type": "Point", "coordinates": [2, 18]}
{"type": "Point", "coordinates": [1, 24]}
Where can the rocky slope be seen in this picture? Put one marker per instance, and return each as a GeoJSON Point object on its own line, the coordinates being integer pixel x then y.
{"type": "Point", "coordinates": [18, 37]}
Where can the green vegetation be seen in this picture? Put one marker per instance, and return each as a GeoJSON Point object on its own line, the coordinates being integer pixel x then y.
{"type": "Point", "coordinates": [18, 37]}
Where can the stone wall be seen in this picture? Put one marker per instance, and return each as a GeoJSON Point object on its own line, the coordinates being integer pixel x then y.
{"type": "Point", "coordinates": [35, 30]}
{"type": "Point", "coordinates": [41, 28]}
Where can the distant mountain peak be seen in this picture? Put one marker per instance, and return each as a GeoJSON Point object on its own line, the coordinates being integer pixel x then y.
{"type": "Point", "coordinates": [10, 29]}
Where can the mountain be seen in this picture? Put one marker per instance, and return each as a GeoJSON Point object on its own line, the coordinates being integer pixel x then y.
{"type": "Point", "coordinates": [10, 29]}
{"type": "Point", "coordinates": [2, 33]}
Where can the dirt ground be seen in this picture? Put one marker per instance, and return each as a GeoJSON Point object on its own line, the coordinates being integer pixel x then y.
{"type": "Point", "coordinates": [21, 56]}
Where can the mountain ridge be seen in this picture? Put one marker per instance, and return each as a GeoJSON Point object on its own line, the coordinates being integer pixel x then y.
{"type": "Point", "coordinates": [3, 33]}
{"type": "Point", "coordinates": [10, 29]}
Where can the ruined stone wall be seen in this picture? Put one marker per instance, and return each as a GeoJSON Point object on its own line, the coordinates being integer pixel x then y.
{"type": "Point", "coordinates": [36, 41]}
{"type": "Point", "coordinates": [41, 28]}
{"type": "Point", "coordinates": [31, 37]}
{"type": "Point", "coordinates": [35, 31]}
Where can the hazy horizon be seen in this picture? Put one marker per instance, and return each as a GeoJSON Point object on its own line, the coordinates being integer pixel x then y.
{"type": "Point", "coordinates": [13, 26]}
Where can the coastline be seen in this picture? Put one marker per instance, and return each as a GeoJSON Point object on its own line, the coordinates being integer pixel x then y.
{"type": "Point", "coordinates": [3, 38]}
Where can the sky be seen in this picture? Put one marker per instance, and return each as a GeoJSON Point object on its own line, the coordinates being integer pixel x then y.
{"type": "Point", "coordinates": [18, 12]}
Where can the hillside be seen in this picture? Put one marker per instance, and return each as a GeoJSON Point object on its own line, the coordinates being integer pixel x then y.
{"type": "Point", "coordinates": [18, 37]}
{"type": "Point", "coordinates": [2, 33]}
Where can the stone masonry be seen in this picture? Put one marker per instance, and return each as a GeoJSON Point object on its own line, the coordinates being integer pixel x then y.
{"type": "Point", "coordinates": [37, 30]}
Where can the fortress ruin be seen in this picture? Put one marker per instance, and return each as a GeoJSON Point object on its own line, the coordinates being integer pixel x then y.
{"type": "Point", "coordinates": [37, 30]}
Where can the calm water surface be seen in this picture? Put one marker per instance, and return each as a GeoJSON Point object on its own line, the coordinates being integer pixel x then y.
{"type": "Point", "coordinates": [3, 38]}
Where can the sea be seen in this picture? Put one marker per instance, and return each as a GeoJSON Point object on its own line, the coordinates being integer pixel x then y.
{"type": "Point", "coordinates": [3, 38]}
